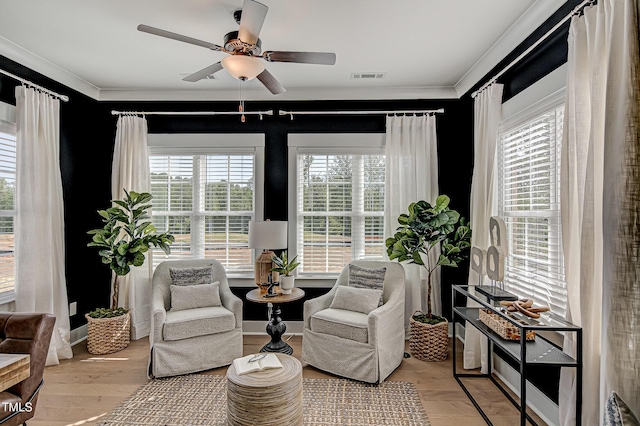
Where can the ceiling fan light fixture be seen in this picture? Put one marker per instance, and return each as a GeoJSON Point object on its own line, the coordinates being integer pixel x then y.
{"type": "Point", "coordinates": [242, 67]}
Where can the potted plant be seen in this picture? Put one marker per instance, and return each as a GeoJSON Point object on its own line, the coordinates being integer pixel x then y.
{"type": "Point", "coordinates": [420, 231]}
{"type": "Point", "coordinates": [285, 267]}
{"type": "Point", "coordinates": [124, 239]}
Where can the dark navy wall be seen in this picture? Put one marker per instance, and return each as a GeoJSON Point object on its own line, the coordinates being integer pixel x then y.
{"type": "Point", "coordinates": [454, 129]}
{"type": "Point", "coordinates": [87, 137]}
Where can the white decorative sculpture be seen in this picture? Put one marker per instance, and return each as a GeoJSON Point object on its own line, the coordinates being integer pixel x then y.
{"type": "Point", "coordinates": [491, 261]}
{"type": "Point", "coordinates": [498, 250]}
{"type": "Point", "coordinates": [478, 262]}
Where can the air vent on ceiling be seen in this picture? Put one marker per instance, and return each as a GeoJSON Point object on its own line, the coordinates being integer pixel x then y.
{"type": "Point", "coordinates": [367, 75]}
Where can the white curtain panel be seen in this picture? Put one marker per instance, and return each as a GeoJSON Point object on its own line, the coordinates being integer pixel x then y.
{"type": "Point", "coordinates": [487, 115]}
{"type": "Point", "coordinates": [130, 171]}
{"type": "Point", "coordinates": [412, 175]}
{"type": "Point", "coordinates": [40, 272]}
{"type": "Point", "coordinates": [600, 149]}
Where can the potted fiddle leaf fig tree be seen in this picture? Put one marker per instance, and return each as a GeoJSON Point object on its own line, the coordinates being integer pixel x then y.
{"type": "Point", "coordinates": [421, 230]}
{"type": "Point", "coordinates": [285, 267]}
{"type": "Point", "coordinates": [124, 239]}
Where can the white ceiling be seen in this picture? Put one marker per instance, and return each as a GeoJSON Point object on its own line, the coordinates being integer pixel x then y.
{"type": "Point", "coordinates": [426, 48]}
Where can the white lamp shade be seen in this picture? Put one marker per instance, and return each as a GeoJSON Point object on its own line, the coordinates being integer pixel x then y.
{"type": "Point", "coordinates": [271, 234]}
{"type": "Point", "coordinates": [242, 67]}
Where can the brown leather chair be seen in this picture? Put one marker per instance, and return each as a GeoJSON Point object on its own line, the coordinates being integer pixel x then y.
{"type": "Point", "coordinates": [24, 333]}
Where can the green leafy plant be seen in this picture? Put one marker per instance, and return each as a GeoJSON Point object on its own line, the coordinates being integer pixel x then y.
{"type": "Point", "coordinates": [124, 239]}
{"type": "Point", "coordinates": [283, 266]}
{"type": "Point", "coordinates": [421, 230]}
{"type": "Point", "coordinates": [107, 313]}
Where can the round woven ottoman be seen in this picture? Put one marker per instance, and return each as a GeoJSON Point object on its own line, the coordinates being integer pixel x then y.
{"type": "Point", "coordinates": [268, 397]}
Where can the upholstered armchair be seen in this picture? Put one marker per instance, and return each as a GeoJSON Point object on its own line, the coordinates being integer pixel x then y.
{"type": "Point", "coordinates": [24, 333]}
{"type": "Point", "coordinates": [196, 322]}
{"type": "Point", "coordinates": [350, 332]}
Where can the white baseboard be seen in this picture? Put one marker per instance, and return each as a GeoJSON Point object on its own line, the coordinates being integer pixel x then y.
{"type": "Point", "coordinates": [536, 400]}
{"type": "Point", "coordinates": [79, 335]}
{"type": "Point", "coordinates": [544, 407]}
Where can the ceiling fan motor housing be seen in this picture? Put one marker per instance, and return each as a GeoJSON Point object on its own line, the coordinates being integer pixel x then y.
{"type": "Point", "coordinates": [234, 45]}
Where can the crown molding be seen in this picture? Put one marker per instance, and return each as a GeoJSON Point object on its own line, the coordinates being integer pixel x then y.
{"type": "Point", "coordinates": [530, 20]}
{"type": "Point", "coordinates": [526, 24]}
{"type": "Point", "coordinates": [46, 68]}
{"type": "Point", "coordinates": [364, 93]}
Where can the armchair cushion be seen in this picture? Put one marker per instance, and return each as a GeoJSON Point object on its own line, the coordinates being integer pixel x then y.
{"type": "Point", "coordinates": [195, 296]}
{"type": "Point", "coordinates": [372, 278]}
{"type": "Point", "coordinates": [197, 322]}
{"type": "Point", "coordinates": [363, 300]}
{"type": "Point", "coordinates": [192, 275]}
{"type": "Point", "coordinates": [341, 323]}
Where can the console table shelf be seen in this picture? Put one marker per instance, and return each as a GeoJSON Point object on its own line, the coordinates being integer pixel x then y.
{"type": "Point", "coordinates": [539, 352]}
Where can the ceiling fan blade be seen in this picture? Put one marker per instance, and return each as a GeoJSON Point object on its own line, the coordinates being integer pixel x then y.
{"type": "Point", "coordinates": [320, 58]}
{"type": "Point", "coordinates": [252, 18]}
{"type": "Point", "coordinates": [271, 83]}
{"type": "Point", "coordinates": [179, 37]}
{"type": "Point", "coordinates": [196, 76]}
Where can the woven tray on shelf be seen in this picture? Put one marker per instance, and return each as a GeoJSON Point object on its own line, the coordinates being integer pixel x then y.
{"type": "Point", "coordinates": [108, 335]}
{"type": "Point", "coordinates": [504, 328]}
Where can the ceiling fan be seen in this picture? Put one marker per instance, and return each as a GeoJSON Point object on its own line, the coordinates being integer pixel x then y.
{"type": "Point", "coordinates": [245, 48]}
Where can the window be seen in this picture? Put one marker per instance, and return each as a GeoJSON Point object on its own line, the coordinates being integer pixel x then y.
{"type": "Point", "coordinates": [339, 208]}
{"type": "Point", "coordinates": [206, 199]}
{"type": "Point", "coordinates": [7, 206]}
{"type": "Point", "coordinates": [529, 202]}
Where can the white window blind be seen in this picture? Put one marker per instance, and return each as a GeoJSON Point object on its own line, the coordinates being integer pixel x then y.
{"type": "Point", "coordinates": [529, 203]}
{"type": "Point", "coordinates": [206, 201]}
{"type": "Point", "coordinates": [340, 210]}
{"type": "Point", "coordinates": [7, 206]}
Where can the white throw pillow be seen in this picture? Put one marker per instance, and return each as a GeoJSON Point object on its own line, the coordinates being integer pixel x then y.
{"type": "Point", "coordinates": [195, 296]}
{"type": "Point", "coordinates": [355, 299]}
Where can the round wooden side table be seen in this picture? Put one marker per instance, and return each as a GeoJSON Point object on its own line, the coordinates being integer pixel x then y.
{"type": "Point", "coordinates": [276, 327]}
{"type": "Point", "coordinates": [270, 397]}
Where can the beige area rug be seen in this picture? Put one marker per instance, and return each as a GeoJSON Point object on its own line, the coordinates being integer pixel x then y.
{"type": "Point", "coordinates": [201, 400]}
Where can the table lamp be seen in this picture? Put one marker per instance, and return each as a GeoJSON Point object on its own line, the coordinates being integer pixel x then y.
{"type": "Point", "coordinates": [270, 234]}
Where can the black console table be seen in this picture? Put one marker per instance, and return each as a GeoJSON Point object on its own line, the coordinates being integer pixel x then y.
{"type": "Point", "coordinates": [540, 352]}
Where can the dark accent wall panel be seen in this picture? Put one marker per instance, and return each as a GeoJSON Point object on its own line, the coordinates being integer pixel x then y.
{"type": "Point", "coordinates": [455, 142]}
{"type": "Point", "coordinates": [87, 139]}
{"type": "Point", "coordinates": [86, 149]}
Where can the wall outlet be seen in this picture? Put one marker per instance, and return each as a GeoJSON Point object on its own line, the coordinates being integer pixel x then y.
{"type": "Point", "coordinates": [73, 308]}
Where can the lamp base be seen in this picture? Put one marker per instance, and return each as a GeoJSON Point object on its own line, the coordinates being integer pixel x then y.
{"type": "Point", "coordinates": [263, 268]}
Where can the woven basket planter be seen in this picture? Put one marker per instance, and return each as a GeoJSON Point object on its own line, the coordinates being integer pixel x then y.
{"type": "Point", "coordinates": [428, 342]}
{"type": "Point", "coordinates": [108, 335]}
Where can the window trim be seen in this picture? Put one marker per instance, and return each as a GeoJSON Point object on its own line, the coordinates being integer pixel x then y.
{"type": "Point", "coordinates": [218, 143]}
{"type": "Point", "coordinates": [554, 100]}
{"type": "Point", "coordinates": [322, 143]}
{"type": "Point", "coordinates": [518, 119]}
{"type": "Point", "coordinates": [7, 127]}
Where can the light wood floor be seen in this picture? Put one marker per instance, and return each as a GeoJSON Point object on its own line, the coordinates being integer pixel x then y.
{"type": "Point", "coordinates": [82, 390]}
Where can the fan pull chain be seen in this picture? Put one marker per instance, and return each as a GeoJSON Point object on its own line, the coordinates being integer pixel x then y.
{"type": "Point", "coordinates": [241, 107]}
